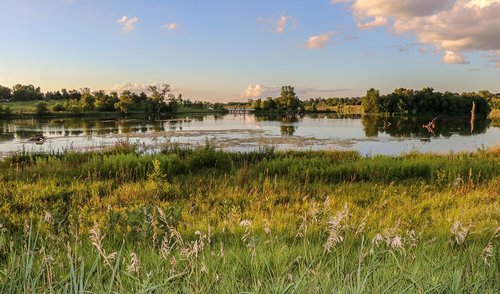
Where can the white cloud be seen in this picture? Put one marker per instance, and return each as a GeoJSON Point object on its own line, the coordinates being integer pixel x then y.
{"type": "Point", "coordinates": [261, 91]}
{"type": "Point", "coordinates": [451, 57]}
{"type": "Point", "coordinates": [170, 26]}
{"type": "Point", "coordinates": [128, 24]}
{"type": "Point", "coordinates": [133, 87]}
{"type": "Point", "coordinates": [453, 27]}
{"type": "Point", "coordinates": [319, 41]}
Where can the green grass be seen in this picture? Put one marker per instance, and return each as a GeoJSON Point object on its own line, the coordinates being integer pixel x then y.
{"type": "Point", "coordinates": [206, 221]}
{"type": "Point", "coordinates": [26, 107]}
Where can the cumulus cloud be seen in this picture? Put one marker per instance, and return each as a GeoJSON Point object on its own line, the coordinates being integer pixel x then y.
{"type": "Point", "coordinates": [169, 26]}
{"type": "Point", "coordinates": [134, 87]}
{"type": "Point", "coordinates": [451, 57]}
{"type": "Point", "coordinates": [454, 27]}
{"type": "Point", "coordinates": [319, 41]}
{"type": "Point", "coordinates": [128, 24]}
{"type": "Point", "coordinates": [261, 91]}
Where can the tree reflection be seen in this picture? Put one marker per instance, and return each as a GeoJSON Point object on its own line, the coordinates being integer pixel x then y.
{"type": "Point", "coordinates": [412, 126]}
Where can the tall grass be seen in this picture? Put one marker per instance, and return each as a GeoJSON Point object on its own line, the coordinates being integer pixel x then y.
{"type": "Point", "coordinates": [207, 221]}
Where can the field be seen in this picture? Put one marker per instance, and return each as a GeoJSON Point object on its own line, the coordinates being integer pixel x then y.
{"type": "Point", "coordinates": [205, 221]}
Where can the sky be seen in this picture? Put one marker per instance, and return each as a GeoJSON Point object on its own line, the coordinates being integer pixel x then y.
{"type": "Point", "coordinates": [234, 50]}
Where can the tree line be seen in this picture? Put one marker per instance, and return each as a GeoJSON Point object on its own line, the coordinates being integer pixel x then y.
{"type": "Point", "coordinates": [427, 101]}
{"type": "Point", "coordinates": [158, 100]}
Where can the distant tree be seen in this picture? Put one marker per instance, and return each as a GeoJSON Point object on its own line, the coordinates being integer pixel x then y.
{"type": "Point", "coordinates": [5, 93]}
{"type": "Point", "coordinates": [288, 100]}
{"type": "Point", "coordinates": [74, 94]}
{"type": "Point", "coordinates": [125, 103]}
{"type": "Point", "coordinates": [161, 100]}
{"type": "Point", "coordinates": [370, 102]}
{"type": "Point", "coordinates": [104, 102]}
{"type": "Point", "coordinates": [53, 95]}
{"type": "Point", "coordinates": [26, 93]}
{"type": "Point", "coordinates": [87, 99]}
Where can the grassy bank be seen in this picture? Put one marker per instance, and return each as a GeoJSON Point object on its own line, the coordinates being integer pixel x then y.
{"type": "Point", "coordinates": [202, 220]}
{"type": "Point", "coordinates": [28, 108]}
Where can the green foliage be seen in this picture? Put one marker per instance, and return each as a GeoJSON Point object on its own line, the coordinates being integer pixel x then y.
{"type": "Point", "coordinates": [73, 106]}
{"type": "Point", "coordinates": [42, 108]}
{"type": "Point", "coordinates": [5, 93]}
{"type": "Point", "coordinates": [426, 101]}
{"type": "Point", "coordinates": [58, 107]}
{"type": "Point", "coordinates": [125, 102]}
{"type": "Point", "coordinates": [26, 93]}
{"type": "Point", "coordinates": [5, 111]}
{"type": "Point", "coordinates": [286, 102]}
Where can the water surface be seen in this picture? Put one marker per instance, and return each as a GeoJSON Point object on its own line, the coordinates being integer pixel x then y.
{"type": "Point", "coordinates": [368, 135]}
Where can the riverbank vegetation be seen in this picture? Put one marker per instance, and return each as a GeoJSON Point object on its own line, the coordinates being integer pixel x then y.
{"type": "Point", "coordinates": [204, 220]}
{"type": "Point", "coordinates": [29, 100]}
{"type": "Point", "coordinates": [427, 101]}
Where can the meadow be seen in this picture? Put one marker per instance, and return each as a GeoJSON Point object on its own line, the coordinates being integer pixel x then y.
{"type": "Point", "coordinates": [207, 221]}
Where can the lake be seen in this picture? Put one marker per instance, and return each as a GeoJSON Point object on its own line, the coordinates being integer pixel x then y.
{"type": "Point", "coordinates": [366, 134]}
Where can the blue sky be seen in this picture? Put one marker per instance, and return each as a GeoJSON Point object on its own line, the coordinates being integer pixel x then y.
{"type": "Point", "coordinates": [234, 49]}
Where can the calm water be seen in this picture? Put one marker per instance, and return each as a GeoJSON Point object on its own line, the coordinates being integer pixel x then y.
{"type": "Point", "coordinates": [367, 135]}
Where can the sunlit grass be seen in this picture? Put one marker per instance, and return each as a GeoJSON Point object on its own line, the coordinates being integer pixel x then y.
{"type": "Point", "coordinates": [203, 220]}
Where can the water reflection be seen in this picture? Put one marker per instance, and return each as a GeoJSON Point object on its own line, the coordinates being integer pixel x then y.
{"type": "Point", "coordinates": [318, 131]}
{"type": "Point", "coordinates": [413, 126]}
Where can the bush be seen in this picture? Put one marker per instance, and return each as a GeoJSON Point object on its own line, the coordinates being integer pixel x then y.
{"type": "Point", "coordinates": [58, 107]}
{"type": "Point", "coordinates": [42, 107]}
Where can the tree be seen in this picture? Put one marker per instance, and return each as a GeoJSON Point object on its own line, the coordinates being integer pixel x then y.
{"type": "Point", "coordinates": [87, 100]}
{"type": "Point", "coordinates": [288, 100]}
{"type": "Point", "coordinates": [5, 93]}
{"type": "Point", "coordinates": [26, 93]}
{"type": "Point", "coordinates": [161, 100]}
{"type": "Point", "coordinates": [371, 101]}
{"type": "Point", "coordinates": [125, 103]}
{"type": "Point", "coordinates": [105, 102]}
